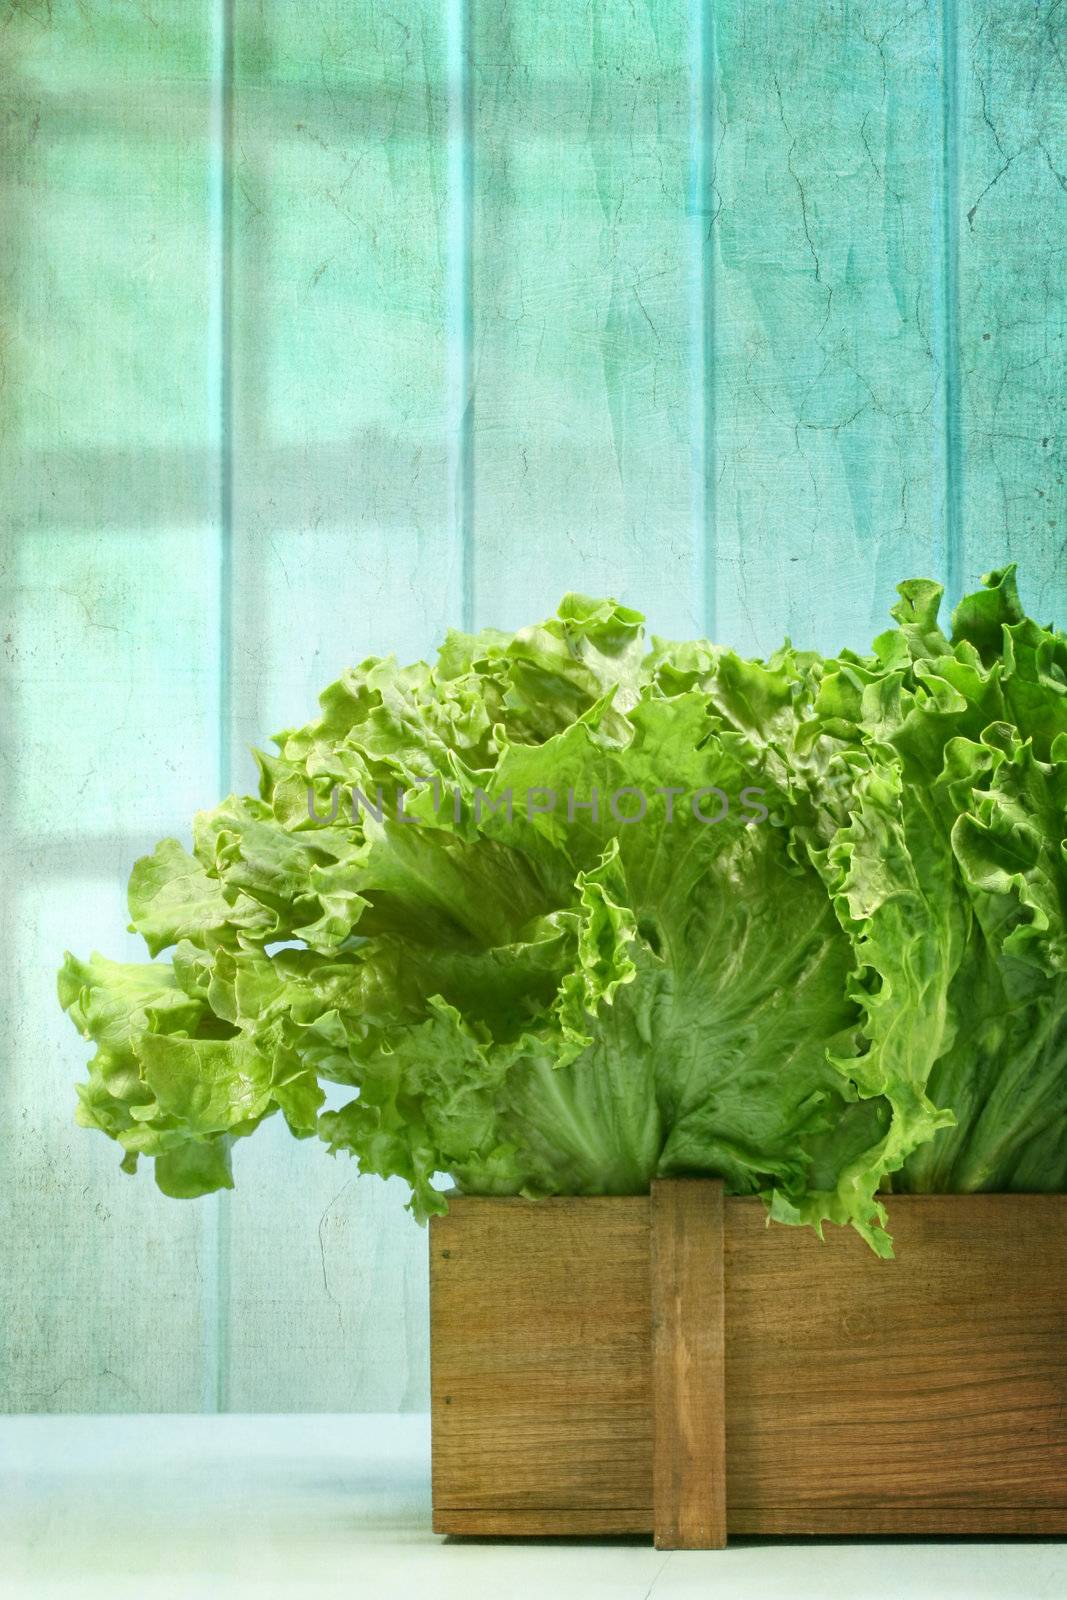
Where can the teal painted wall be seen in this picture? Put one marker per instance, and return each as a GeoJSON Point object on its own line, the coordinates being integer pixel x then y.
{"type": "Point", "coordinates": [326, 328]}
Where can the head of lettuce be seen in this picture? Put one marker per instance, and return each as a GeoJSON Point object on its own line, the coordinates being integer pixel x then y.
{"type": "Point", "coordinates": [569, 910]}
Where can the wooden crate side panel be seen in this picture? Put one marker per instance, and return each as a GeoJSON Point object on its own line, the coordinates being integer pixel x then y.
{"type": "Point", "coordinates": [541, 1356]}
{"type": "Point", "coordinates": [935, 1384]}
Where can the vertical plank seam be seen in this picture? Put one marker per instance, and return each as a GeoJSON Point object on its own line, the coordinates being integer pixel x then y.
{"type": "Point", "coordinates": [688, 1503]}
{"type": "Point", "coordinates": [949, 297]}
{"type": "Point", "coordinates": [702, 73]}
{"type": "Point", "coordinates": [216, 1214]}
{"type": "Point", "coordinates": [458, 293]}
{"type": "Point", "coordinates": [720, 1365]}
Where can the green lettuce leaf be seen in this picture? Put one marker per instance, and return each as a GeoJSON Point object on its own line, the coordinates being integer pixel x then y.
{"type": "Point", "coordinates": [566, 911]}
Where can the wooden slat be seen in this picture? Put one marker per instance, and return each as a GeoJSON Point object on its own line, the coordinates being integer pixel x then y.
{"type": "Point", "coordinates": [689, 1408]}
{"type": "Point", "coordinates": [540, 1368]}
{"type": "Point", "coordinates": [936, 1381]}
{"type": "Point", "coordinates": [866, 1521]}
{"type": "Point", "coordinates": [551, 1521]}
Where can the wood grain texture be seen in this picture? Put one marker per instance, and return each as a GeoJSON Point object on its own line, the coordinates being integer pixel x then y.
{"type": "Point", "coordinates": [936, 1380]}
{"type": "Point", "coordinates": [540, 1375]}
{"type": "Point", "coordinates": [544, 1523]}
{"type": "Point", "coordinates": [923, 1395]}
{"type": "Point", "coordinates": [688, 1365]}
{"type": "Point", "coordinates": [865, 1521]}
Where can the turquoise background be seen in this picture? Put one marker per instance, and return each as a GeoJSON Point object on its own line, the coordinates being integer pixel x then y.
{"type": "Point", "coordinates": [328, 327]}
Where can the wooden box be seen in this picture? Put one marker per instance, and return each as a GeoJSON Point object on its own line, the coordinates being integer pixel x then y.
{"type": "Point", "coordinates": [670, 1365]}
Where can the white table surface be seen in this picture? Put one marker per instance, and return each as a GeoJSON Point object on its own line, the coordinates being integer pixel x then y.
{"type": "Point", "coordinates": [189, 1507]}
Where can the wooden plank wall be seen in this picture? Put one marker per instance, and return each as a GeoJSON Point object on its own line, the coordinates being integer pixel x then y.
{"type": "Point", "coordinates": [327, 329]}
{"type": "Point", "coordinates": [109, 610]}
